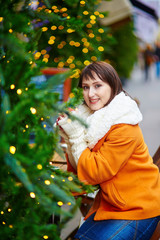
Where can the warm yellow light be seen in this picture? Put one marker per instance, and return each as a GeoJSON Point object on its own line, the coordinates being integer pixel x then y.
{"type": "Point", "coordinates": [60, 27]}
{"type": "Point", "coordinates": [60, 203]}
{"type": "Point", "coordinates": [86, 44]}
{"type": "Point", "coordinates": [69, 30]}
{"type": "Point", "coordinates": [37, 55]}
{"type": "Point", "coordinates": [26, 88]}
{"type": "Point", "coordinates": [54, 7]}
{"type": "Point", "coordinates": [45, 237]}
{"type": "Point", "coordinates": [45, 60]}
{"type": "Point", "coordinates": [53, 27]}
{"type": "Point", "coordinates": [10, 30]}
{"type": "Point", "coordinates": [84, 39]}
{"type": "Point", "coordinates": [10, 226]}
{"type": "Point", "coordinates": [100, 30]}
{"type": "Point", "coordinates": [27, 126]}
{"type": "Point", "coordinates": [9, 209]}
{"type": "Point", "coordinates": [42, 118]}
{"type": "Point", "coordinates": [72, 43]}
{"type": "Point", "coordinates": [19, 91]}
{"type": "Point", "coordinates": [56, 10]}
{"type": "Point", "coordinates": [93, 17]}
{"type": "Point", "coordinates": [89, 25]}
{"type": "Point", "coordinates": [82, 2]}
{"type": "Point", "coordinates": [85, 12]}
{"type": "Point", "coordinates": [51, 42]}
{"type": "Point", "coordinates": [69, 203]}
{"type": "Point", "coordinates": [92, 22]}
{"type": "Point", "coordinates": [86, 62]}
{"type": "Point", "coordinates": [39, 166]}
{"type": "Point", "coordinates": [1, 19]}
{"type": "Point", "coordinates": [71, 95]}
{"type": "Point", "coordinates": [2, 212]}
{"type": "Point", "coordinates": [12, 86]}
{"type": "Point", "coordinates": [91, 35]}
{"type": "Point", "coordinates": [72, 65]}
{"type": "Point", "coordinates": [44, 125]}
{"type": "Point", "coordinates": [44, 29]}
{"type": "Point", "coordinates": [33, 110]}
{"type": "Point", "coordinates": [63, 9]}
{"type": "Point", "coordinates": [101, 49]}
{"type": "Point", "coordinates": [60, 64]}
{"type": "Point", "coordinates": [3, 223]}
{"type": "Point", "coordinates": [96, 13]}
{"type": "Point", "coordinates": [52, 176]}
{"type": "Point", "coordinates": [43, 51]}
{"type": "Point", "coordinates": [85, 50]}
{"type": "Point", "coordinates": [101, 15]}
{"type": "Point", "coordinates": [94, 58]}
{"type": "Point", "coordinates": [53, 37]}
{"type": "Point", "coordinates": [77, 44]}
{"type": "Point", "coordinates": [32, 195]}
{"type": "Point", "coordinates": [47, 182]}
{"type": "Point", "coordinates": [63, 180]}
{"type": "Point", "coordinates": [70, 179]}
{"type": "Point", "coordinates": [12, 149]}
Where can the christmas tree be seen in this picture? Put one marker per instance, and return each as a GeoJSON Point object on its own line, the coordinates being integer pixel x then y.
{"type": "Point", "coordinates": [31, 189]}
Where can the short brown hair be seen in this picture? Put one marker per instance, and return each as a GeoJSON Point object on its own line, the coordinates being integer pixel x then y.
{"type": "Point", "coordinates": [106, 73]}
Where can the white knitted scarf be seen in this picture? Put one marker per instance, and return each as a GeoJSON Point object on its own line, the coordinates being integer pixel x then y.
{"type": "Point", "coordinates": [122, 109]}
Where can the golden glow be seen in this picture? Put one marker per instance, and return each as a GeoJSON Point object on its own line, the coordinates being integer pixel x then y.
{"type": "Point", "coordinates": [69, 203]}
{"type": "Point", "coordinates": [44, 29]}
{"type": "Point", "coordinates": [43, 51]}
{"type": "Point", "coordinates": [101, 15]}
{"type": "Point", "coordinates": [85, 12]}
{"type": "Point", "coordinates": [60, 203]}
{"type": "Point", "coordinates": [39, 166]}
{"type": "Point", "coordinates": [10, 30]}
{"type": "Point", "coordinates": [27, 126]}
{"type": "Point", "coordinates": [60, 27]}
{"type": "Point", "coordinates": [10, 226]}
{"type": "Point", "coordinates": [91, 35]}
{"type": "Point", "coordinates": [32, 195]}
{"type": "Point", "coordinates": [19, 91]}
{"type": "Point", "coordinates": [94, 58]}
{"type": "Point", "coordinates": [1, 19]}
{"type": "Point", "coordinates": [71, 95]}
{"type": "Point", "coordinates": [12, 86]}
{"type": "Point", "coordinates": [2, 212]}
{"type": "Point", "coordinates": [101, 49]}
{"type": "Point", "coordinates": [100, 30]}
{"type": "Point", "coordinates": [33, 110]}
{"type": "Point", "coordinates": [12, 149]}
{"type": "Point", "coordinates": [9, 209]}
{"type": "Point", "coordinates": [85, 50]}
{"type": "Point", "coordinates": [47, 182]}
{"type": "Point", "coordinates": [53, 27]}
{"type": "Point", "coordinates": [86, 62]}
{"type": "Point", "coordinates": [45, 237]}
{"type": "Point", "coordinates": [51, 42]}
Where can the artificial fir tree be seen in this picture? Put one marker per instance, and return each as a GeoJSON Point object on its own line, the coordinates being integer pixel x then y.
{"type": "Point", "coordinates": [31, 189]}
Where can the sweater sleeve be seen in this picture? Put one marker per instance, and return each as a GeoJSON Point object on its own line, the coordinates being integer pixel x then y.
{"type": "Point", "coordinates": [95, 167]}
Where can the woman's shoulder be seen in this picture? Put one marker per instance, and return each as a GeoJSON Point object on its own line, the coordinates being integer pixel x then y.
{"type": "Point", "coordinates": [124, 129]}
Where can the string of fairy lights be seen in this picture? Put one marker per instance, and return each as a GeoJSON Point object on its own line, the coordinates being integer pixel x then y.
{"type": "Point", "coordinates": [86, 46]}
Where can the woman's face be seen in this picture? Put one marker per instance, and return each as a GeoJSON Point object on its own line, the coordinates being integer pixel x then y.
{"type": "Point", "coordinates": [96, 93]}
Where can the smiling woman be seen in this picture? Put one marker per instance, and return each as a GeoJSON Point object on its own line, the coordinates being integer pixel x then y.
{"type": "Point", "coordinates": [111, 153]}
{"type": "Point", "coordinates": [96, 92]}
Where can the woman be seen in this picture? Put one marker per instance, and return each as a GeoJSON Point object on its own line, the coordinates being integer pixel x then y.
{"type": "Point", "coordinates": [112, 153]}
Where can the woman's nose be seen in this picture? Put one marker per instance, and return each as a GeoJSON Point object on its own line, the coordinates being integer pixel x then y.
{"type": "Point", "coordinates": [91, 92]}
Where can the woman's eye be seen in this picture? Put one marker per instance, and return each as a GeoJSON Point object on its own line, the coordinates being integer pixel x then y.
{"type": "Point", "coordinates": [85, 87]}
{"type": "Point", "coordinates": [97, 86]}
